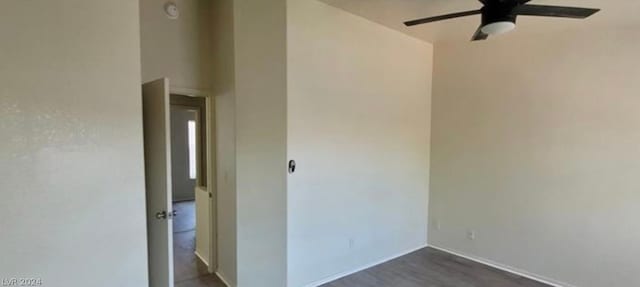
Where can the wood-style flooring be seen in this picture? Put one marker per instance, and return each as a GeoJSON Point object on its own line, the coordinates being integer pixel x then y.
{"type": "Point", "coordinates": [189, 271]}
{"type": "Point", "coordinates": [429, 267]}
{"type": "Point", "coordinates": [424, 268]}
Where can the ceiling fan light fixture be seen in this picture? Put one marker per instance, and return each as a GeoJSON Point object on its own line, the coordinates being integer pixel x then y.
{"type": "Point", "coordinates": [499, 16]}
{"type": "Point", "coordinates": [497, 28]}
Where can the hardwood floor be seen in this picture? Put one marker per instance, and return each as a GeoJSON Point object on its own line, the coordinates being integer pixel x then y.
{"type": "Point", "coordinates": [432, 268]}
{"type": "Point", "coordinates": [189, 271]}
{"type": "Point", "coordinates": [186, 216]}
{"type": "Point", "coordinates": [424, 268]}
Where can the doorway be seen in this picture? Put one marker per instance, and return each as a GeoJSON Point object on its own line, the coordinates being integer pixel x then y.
{"type": "Point", "coordinates": [180, 186]}
{"type": "Point", "coordinates": [191, 197]}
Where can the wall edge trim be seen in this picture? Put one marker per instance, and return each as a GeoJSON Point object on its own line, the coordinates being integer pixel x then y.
{"type": "Point", "coordinates": [504, 267]}
{"type": "Point", "coordinates": [223, 279]}
{"type": "Point", "coordinates": [367, 266]}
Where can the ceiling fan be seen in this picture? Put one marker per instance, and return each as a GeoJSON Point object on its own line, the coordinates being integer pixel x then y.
{"type": "Point", "coordinates": [499, 16]}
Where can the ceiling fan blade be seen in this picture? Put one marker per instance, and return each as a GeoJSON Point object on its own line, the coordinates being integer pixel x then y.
{"type": "Point", "coordinates": [554, 11]}
{"type": "Point", "coordinates": [442, 17]}
{"type": "Point", "coordinates": [486, 2]}
{"type": "Point", "coordinates": [479, 35]}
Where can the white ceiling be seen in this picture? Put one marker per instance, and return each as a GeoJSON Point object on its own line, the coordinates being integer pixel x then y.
{"type": "Point", "coordinates": [392, 13]}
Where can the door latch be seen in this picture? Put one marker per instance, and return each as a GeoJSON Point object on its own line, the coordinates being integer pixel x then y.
{"type": "Point", "coordinates": [165, 215]}
{"type": "Point", "coordinates": [292, 166]}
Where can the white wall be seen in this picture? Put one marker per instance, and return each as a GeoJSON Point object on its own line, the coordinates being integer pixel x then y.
{"type": "Point", "coordinates": [536, 147]}
{"type": "Point", "coordinates": [261, 146]}
{"type": "Point", "coordinates": [179, 49]}
{"type": "Point", "coordinates": [223, 89]}
{"type": "Point", "coordinates": [250, 87]}
{"type": "Point", "coordinates": [358, 127]}
{"type": "Point", "coordinates": [71, 154]}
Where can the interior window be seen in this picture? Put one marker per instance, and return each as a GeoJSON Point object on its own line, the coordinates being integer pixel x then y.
{"type": "Point", "coordinates": [191, 127]}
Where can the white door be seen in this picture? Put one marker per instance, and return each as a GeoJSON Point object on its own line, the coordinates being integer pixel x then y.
{"type": "Point", "coordinates": [157, 158]}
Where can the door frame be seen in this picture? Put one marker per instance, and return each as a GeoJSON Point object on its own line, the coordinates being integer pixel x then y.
{"type": "Point", "coordinates": [210, 147]}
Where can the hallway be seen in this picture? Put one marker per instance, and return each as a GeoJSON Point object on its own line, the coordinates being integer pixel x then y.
{"type": "Point", "coordinates": [189, 270]}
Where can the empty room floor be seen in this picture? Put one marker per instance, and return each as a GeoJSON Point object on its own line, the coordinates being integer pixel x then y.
{"type": "Point", "coordinates": [189, 270]}
{"type": "Point", "coordinates": [429, 267]}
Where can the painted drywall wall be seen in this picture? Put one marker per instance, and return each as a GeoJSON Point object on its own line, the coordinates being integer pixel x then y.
{"type": "Point", "coordinates": [358, 127]}
{"type": "Point", "coordinates": [179, 49]}
{"type": "Point", "coordinates": [535, 147]}
{"type": "Point", "coordinates": [71, 154]}
{"type": "Point", "coordinates": [183, 187]}
{"type": "Point", "coordinates": [261, 146]}
{"type": "Point", "coordinates": [223, 89]}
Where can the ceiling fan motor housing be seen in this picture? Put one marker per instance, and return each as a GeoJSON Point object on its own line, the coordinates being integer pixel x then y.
{"type": "Point", "coordinates": [498, 13]}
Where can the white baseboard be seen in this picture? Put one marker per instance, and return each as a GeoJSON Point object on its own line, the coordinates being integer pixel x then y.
{"type": "Point", "coordinates": [506, 268]}
{"type": "Point", "coordinates": [344, 274]}
{"type": "Point", "coordinates": [483, 261]}
{"type": "Point", "coordinates": [201, 258]}
{"type": "Point", "coordinates": [223, 279]}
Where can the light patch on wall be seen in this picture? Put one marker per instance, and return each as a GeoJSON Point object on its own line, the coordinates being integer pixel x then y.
{"type": "Point", "coordinates": [191, 128]}
{"type": "Point", "coordinates": [30, 128]}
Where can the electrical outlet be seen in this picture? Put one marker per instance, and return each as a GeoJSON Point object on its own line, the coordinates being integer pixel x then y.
{"type": "Point", "coordinates": [471, 234]}
{"type": "Point", "coordinates": [438, 225]}
{"type": "Point", "coordinates": [352, 243]}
